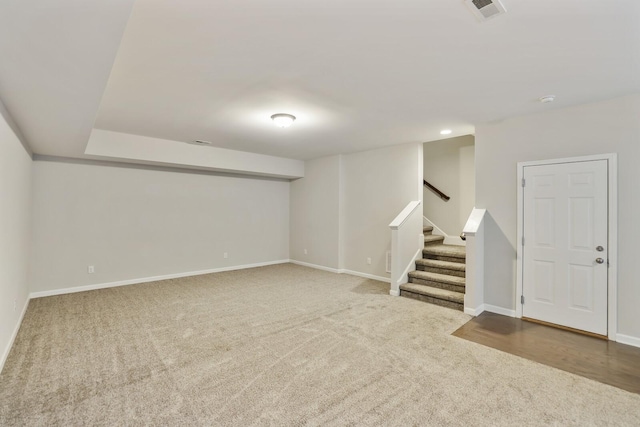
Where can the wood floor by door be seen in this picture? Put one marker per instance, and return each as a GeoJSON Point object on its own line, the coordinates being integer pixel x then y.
{"type": "Point", "coordinates": [565, 244]}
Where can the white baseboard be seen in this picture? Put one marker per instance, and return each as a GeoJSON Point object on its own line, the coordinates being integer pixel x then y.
{"type": "Point", "coordinates": [7, 350]}
{"type": "Point", "coordinates": [474, 311]}
{"type": "Point", "coordinates": [437, 231]}
{"type": "Point", "coordinates": [454, 240]}
{"type": "Point", "coordinates": [342, 271]}
{"type": "Point", "coordinates": [499, 310]}
{"type": "Point", "coordinates": [316, 266]}
{"type": "Point", "coordinates": [366, 275]}
{"type": "Point", "coordinates": [628, 340]}
{"type": "Point", "coordinates": [63, 291]}
{"type": "Point", "coordinates": [75, 289]}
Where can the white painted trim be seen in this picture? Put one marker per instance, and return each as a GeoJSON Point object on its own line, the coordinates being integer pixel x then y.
{"type": "Point", "coordinates": [412, 264]}
{"type": "Point", "coordinates": [519, 236]}
{"type": "Point", "coordinates": [612, 321]}
{"type": "Point", "coordinates": [342, 271]}
{"type": "Point", "coordinates": [316, 266]}
{"type": "Point", "coordinates": [63, 291]}
{"type": "Point", "coordinates": [366, 275]}
{"type": "Point", "coordinates": [403, 240]}
{"type": "Point", "coordinates": [437, 231]}
{"type": "Point", "coordinates": [604, 156]}
{"type": "Point", "coordinates": [404, 214]}
{"type": "Point", "coordinates": [612, 277]}
{"type": "Point", "coordinates": [7, 350]}
{"type": "Point", "coordinates": [420, 181]}
{"type": "Point", "coordinates": [474, 259]}
{"type": "Point", "coordinates": [500, 310]}
{"type": "Point", "coordinates": [473, 222]}
{"type": "Point", "coordinates": [474, 312]}
{"type": "Point", "coordinates": [628, 340]}
{"type": "Point", "coordinates": [454, 240]}
{"type": "Point", "coordinates": [405, 274]}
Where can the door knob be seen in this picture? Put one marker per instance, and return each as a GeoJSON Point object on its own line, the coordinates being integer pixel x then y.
{"type": "Point", "coordinates": [599, 260]}
{"type": "Point", "coordinates": [599, 248]}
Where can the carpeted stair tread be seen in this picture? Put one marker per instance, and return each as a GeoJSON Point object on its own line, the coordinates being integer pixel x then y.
{"type": "Point", "coordinates": [439, 278]}
{"type": "Point", "coordinates": [427, 229]}
{"type": "Point", "coordinates": [444, 265]}
{"type": "Point", "coordinates": [451, 251]}
{"type": "Point", "coordinates": [432, 239]}
{"type": "Point", "coordinates": [433, 292]}
{"type": "Point", "coordinates": [436, 277]}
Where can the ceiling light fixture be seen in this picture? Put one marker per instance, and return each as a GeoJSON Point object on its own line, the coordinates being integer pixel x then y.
{"type": "Point", "coordinates": [547, 99]}
{"type": "Point", "coordinates": [283, 120]}
{"type": "Point", "coordinates": [445, 131]}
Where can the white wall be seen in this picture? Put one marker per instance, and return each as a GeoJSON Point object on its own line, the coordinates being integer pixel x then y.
{"type": "Point", "coordinates": [15, 219]}
{"type": "Point", "coordinates": [157, 151]}
{"type": "Point", "coordinates": [133, 223]}
{"type": "Point", "coordinates": [378, 184]}
{"type": "Point", "coordinates": [315, 204]}
{"type": "Point", "coordinates": [341, 209]}
{"type": "Point", "coordinates": [449, 166]}
{"type": "Point", "coordinates": [611, 126]}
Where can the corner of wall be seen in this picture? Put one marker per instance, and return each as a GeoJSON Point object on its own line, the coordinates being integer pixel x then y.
{"type": "Point", "coordinates": [15, 210]}
{"type": "Point", "coordinates": [5, 352]}
{"type": "Point", "coordinates": [8, 118]}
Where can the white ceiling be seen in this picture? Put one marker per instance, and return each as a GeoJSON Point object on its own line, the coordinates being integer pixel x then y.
{"type": "Point", "coordinates": [357, 74]}
{"type": "Point", "coordinates": [55, 59]}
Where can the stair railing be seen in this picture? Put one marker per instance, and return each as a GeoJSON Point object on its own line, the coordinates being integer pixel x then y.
{"type": "Point", "coordinates": [407, 242]}
{"type": "Point", "coordinates": [435, 190]}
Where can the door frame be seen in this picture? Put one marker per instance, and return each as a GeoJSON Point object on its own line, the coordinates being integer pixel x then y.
{"type": "Point", "coordinates": [612, 244]}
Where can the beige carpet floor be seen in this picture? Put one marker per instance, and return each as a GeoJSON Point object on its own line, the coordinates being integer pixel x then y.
{"type": "Point", "coordinates": [282, 345]}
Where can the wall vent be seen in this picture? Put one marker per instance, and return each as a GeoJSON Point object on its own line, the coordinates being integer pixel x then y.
{"type": "Point", "coordinates": [388, 262]}
{"type": "Point", "coordinates": [486, 9]}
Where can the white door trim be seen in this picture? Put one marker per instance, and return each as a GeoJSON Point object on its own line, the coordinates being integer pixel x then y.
{"type": "Point", "coordinates": [612, 274]}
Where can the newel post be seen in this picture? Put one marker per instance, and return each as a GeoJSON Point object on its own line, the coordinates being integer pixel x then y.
{"type": "Point", "coordinates": [405, 247]}
{"type": "Point", "coordinates": [474, 286]}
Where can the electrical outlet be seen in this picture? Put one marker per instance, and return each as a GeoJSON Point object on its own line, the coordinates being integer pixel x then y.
{"type": "Point", "coordinates": [91, 269]}
{"type": "Point", "coordinates": [305, 251]}
{"type": "Point", "coordinates": [15, 305]}
{"type": "Point", "coordinates": [369, 261]}
{"type": "Point", "coordinates": [225, 255]}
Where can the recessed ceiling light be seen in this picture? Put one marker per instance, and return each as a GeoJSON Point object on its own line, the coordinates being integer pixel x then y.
{"type": "Point", "coordinates": [547, 99]}
{"type": "Point", "coordinates": [445, 131]}
{"type": "Point", "coordinates": [283, 120]}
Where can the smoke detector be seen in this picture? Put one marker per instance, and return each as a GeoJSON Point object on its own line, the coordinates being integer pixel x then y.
{"type": "Point", "coordinates": [485, 9]}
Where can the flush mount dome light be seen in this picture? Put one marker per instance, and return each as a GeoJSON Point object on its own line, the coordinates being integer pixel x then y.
{"type": "Point", "coordinates": [283, 120]}
{"type": "Point", "coordinates": [445, 131]}
{"type": "Point", "coordinates": [547, 99]}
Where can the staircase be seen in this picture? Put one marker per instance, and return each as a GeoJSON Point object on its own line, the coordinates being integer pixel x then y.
{"type": "Point", "coordinates": [440, 276]}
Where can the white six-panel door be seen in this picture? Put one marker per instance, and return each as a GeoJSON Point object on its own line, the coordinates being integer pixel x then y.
{"type": "Point", "coordinates": [564, 278]}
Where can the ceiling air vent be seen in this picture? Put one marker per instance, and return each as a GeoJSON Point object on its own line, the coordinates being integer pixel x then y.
{"type": "Point", "coordinates": [486, 9]}
{"type": "Point", "coordinates": [199, 142]}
